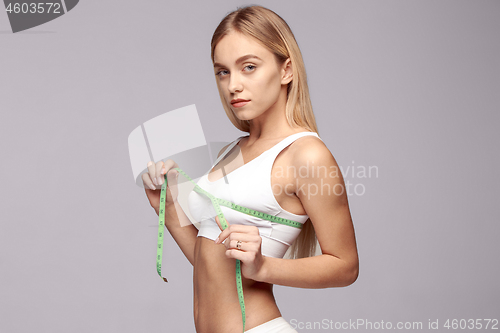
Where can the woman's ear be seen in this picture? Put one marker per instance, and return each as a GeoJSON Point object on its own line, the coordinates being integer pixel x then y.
{"type": "Point", "coordinates": [286, 72]}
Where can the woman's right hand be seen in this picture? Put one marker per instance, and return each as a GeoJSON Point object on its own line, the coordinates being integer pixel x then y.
{"type": "Point", "coordinates": [154, 178]}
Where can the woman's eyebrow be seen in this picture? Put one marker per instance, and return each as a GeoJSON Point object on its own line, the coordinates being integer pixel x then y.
{"type": "Point", "coordinates": [240, 59]}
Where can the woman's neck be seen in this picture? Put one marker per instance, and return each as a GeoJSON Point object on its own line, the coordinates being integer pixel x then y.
{"type": "Point", "coordinates": [272, 124]}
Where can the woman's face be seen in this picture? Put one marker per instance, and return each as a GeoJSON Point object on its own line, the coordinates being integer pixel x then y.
{"type": "Point", "coordinates": [246, 70]}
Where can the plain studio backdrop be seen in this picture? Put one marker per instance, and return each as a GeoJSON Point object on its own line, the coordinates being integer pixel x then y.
{"type": "Point", "coordinates": [409, 88]}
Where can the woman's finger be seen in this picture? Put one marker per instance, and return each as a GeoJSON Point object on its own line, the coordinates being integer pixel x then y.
{"type": "Point", "coordinates": [250, 241]}
{"type": "Point", "coordinates": [158, 173]}
{"type": "Point", "coordinates": [146, 180]}
{"type": "Point", "coordinates": [219, 224]}
{"type": "Point", "coordinates": [241, 255]}
{"type": "Point", "coordinates": [146, 177]}
{"type": "Point", "coordinates": [247, 229]}
{"type": "Point", "coordinates": [244, 237]}
{"type": "Point", "coordinates": [172, 176]}
{"type": "Point", "coordinates": [152, 172]}
{"type": "Point", "coordinates": [233, 244]}
{"type": "Point", "coordinates": [236, 231]}
{"type": "Point", "coordinates": [224, 233]}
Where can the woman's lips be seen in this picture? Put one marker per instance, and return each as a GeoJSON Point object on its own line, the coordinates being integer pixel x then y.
{"type": "Point", "coordinates": [239, 104]}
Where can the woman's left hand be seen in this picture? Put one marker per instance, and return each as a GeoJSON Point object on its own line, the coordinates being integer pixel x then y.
{"type": "Point", "coordinates": [249, 251]}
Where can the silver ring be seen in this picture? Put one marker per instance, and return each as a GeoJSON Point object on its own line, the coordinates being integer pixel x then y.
{"type": "Point", "coordinates": [238, 245]}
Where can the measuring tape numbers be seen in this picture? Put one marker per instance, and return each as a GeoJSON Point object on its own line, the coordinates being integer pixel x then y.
{"type": "Point", "coordinates": [216, 202]}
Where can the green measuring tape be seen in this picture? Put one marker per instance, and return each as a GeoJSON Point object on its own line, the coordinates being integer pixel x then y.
{"type": "Point", "coordinates": [216, 202]}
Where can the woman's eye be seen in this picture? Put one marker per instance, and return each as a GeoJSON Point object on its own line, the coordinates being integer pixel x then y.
{"type": "Point", "coordinates": [219, 72]}
{"type": "Point", "coordinates": [250, 66]}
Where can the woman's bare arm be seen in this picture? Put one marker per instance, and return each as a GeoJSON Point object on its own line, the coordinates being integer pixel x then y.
{"type": "Point", "coordinates": [325, 200]}
{"type": "Point", "coordinates": [182, 230]}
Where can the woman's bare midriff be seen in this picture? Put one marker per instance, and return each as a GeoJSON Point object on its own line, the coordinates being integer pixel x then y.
{"type": "Point", "coordinates": [216, 305]}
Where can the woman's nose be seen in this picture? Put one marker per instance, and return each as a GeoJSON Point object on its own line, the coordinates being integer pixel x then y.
{"type": "Point", "coordinates": [235, 84]}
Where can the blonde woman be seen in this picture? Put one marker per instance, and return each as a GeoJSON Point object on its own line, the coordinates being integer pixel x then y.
{"type": "Point", "coordinates": [284, 170]}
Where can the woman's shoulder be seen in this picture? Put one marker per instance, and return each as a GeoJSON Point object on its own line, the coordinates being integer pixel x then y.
{"type": "Point", "coordinates": [310, 149]}
{"type": "Point", "coordinates": [308, 142]}
{"type": "Point", "coordinates": [234, 142]}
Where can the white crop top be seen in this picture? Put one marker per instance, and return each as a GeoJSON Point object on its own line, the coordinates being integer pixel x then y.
{"type": "Point", "coordinates": [249, 186]}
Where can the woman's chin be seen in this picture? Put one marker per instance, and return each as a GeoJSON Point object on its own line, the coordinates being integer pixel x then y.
{"type": "Point", "coordinates": [241, 116]}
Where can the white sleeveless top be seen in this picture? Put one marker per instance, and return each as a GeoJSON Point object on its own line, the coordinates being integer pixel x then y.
{"type": "Point", "coordinates": [248, 186]}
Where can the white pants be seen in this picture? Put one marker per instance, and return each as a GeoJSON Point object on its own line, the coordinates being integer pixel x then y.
{"type": "Point", "coordinates": [276, 325]}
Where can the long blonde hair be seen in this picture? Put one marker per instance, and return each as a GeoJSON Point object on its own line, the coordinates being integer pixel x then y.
{"type": "Point", "coordinates": [273, 32]}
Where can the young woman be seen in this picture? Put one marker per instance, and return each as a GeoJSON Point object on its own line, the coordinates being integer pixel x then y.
{"type": "Point", "coordinates": [285, 170]}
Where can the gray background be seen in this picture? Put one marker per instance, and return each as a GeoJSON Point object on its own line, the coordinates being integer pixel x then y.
{"type": "Point", "coordinates": [408, 86]}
